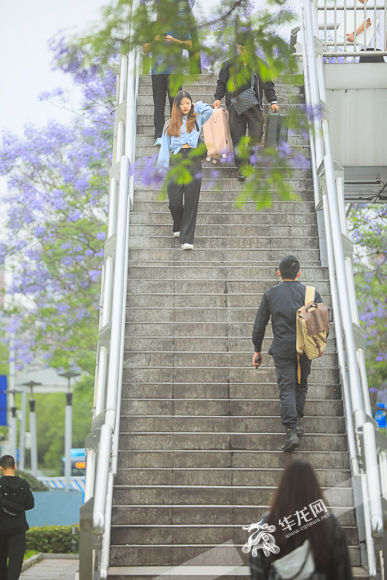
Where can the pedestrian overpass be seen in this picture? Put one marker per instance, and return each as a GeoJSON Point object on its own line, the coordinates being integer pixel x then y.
{"type": "Point", "coordinates": [184, 447]}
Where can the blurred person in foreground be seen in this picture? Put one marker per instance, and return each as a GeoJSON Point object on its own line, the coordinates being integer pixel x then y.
{"type": "Point", "coordinates": [15, 498]}
{"type": "Point", "coordinates": [309, 541]}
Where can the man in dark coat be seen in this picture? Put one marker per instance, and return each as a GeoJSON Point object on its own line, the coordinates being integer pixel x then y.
{"type": "Point", "coordinates": [15, 498]}
{"type": "Point", "coordinates": [241, 72]}
{"type": "Point", "coordinates": [281, 302]}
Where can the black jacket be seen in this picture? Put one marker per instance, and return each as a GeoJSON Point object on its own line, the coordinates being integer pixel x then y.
{"type": "Point", "coordinates": [232, 66]}
{"type": "Point", "coordinates": [281, 302]}
{"type": "Point", "coordinates": [10, 525]}
{"type": "Point", "coordinates": [338, 568]}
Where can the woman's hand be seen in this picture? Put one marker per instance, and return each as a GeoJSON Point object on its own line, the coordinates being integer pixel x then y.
{"type": "Point", "coordinates": [274, 107]}
{"type": "Point", "coordinates": [216, 104]}
{"type": "Point", "coordinates": [350, 37]}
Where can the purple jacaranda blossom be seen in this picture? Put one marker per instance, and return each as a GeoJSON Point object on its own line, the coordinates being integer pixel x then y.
{"type": "Point", "coordinates": [55, 212]}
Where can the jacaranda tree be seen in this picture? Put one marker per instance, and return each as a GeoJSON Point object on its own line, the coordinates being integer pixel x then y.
{"type": "Point", "coordinates": [55, 223]}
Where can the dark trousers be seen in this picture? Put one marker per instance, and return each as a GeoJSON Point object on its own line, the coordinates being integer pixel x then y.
{"type": "Point", "coordinates": [371, 58]}
{"type": "Point", "coordinates": [253, 119]}
{"type": "Point", "coordinates": [292, 394]}
{"type": "Point", "coordinates": [13, 547]}
{"type": "Point", "coordinates": [161, 88]}
{"type": "Point", "coordinates": [184, 215]}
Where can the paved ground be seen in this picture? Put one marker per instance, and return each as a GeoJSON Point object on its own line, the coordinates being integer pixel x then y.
{"type": "Point", "coordinates": [51, 569]}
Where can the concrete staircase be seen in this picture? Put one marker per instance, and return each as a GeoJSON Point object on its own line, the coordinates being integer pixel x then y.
{"type": "Point", "coordinates": [200, 429]}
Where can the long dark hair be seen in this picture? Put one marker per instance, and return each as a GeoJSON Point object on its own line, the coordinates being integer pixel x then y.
{"type": "Point", "coordinates": [297, 489]}
{"type": "Point", "coordinates": [175, 122]}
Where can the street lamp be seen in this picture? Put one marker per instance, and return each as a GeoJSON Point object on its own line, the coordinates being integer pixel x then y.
{"type": "Point", "coordinates": [68, 426]}
{"type": "Point", "coordinates": [34, 440]}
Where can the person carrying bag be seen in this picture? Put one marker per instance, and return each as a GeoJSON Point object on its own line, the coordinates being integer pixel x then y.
{"type": "Point", "coordinates": [181, 137]}
{"type": "Point", "coordinates": [245, 101]}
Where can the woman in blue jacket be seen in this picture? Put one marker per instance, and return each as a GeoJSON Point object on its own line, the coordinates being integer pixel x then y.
{"type": "Point", "coordinates": [180, 136]}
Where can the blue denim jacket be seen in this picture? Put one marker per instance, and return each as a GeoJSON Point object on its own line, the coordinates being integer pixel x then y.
{"type": "Point", "coordinates": [174, 144]}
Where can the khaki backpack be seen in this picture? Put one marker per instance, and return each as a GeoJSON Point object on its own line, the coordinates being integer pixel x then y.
{"type": "Point", "coordinates": [312, 328]}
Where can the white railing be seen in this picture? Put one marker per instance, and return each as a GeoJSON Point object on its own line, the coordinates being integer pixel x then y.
{"type": "Point", "coordinates": [367, 447]}
{"type": "Point", "coordinates": [102, 444]}
{"type": "Point", "coordinates": [337, 20]}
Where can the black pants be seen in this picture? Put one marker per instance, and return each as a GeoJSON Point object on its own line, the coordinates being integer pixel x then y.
{"type": "Point", "coordinates": [292, 393]}
{"type": "Point", "coordinates": [13, 547]}
{"type": "Point", "coordinates": [371, 58]}
{"type": "Point", "coordinates": [184, 216]}
{"type": "Point", "coordinates": [161, 87]}
{"type": "Point", "coordinates": [253, 119]}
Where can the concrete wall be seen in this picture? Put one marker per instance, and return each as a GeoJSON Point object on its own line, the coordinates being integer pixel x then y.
{"type": "Point", "coordinates": [357, 101]}
{"type": "Point", "coordinates": [59, 508]}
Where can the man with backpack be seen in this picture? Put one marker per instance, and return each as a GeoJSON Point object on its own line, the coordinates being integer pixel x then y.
{"type": "Point", "coordinates": [15, 498]}
{"type": "Point", "coordinates": [245, 101]}
{"type": "Point", "coordinates": [282, 303]}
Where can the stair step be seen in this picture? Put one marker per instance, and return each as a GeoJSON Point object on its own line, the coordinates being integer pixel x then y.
{"type": "Point", "coordinates": [192, 572]}
{"type": "Point", "coordinates": [205, 515]}
{"type": "Point", "coordinates": [175, 555]}
{"type": "Point", "coordinates": [191, 534]}
{"type": "Point", "coordinates": [216, 374]}
{"type": "Point", "coordinates": [145, 391]}
{"type": "Point", "coordinates": [166, 300]}
{"type": "Point", "coordinates": [147, 140]}
{"type": "Point", "coordinates": [241, 220]}
{"type": "Point", "coordinates": [211, 78]}
{"type": "Point", "coordinates": [286, 209]}
{"type": "Point", "coordinates": [206, 286]}
{"type": "Point", "coordinates": [204, 440]}
{"type": "Point", "coordinates": [239, 458]}
{"type": "Point", "coordinates": [222, 411]}
{"type": "Point", "coordinates": [286, 244]}
{"type": "Point", "coordinates": [206, 95]}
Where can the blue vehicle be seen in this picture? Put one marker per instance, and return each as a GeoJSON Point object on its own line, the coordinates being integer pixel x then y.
{"type": "Point", "coordinates": [78, 462]}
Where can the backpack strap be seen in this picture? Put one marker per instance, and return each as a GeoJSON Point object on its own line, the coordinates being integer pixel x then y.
{"type": "Point", "coordinates": [309, 294]}
{"type": "Point", "coordinates": [309, 297]}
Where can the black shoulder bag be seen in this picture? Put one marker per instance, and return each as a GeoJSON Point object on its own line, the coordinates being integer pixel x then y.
{"type": "Point", "coordinates": [247, 99]}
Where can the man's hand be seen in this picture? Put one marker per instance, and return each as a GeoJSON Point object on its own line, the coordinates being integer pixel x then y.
{"type": "Point", "coordinates": [216, 104]}
{"type": "Point", "coordinates": [350, 37]}
{"type": "Point", "coordinates": [274, 107]}
{"type": "Point", "coordinates": [254, 357]}
{"type": "Point", "coordinates": [169, 38]}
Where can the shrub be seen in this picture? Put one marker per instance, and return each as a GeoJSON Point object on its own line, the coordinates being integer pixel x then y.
{"type": "Point", "coordinates": [35, 484]}
{"type": "Point", "coordinates": [53, 539]}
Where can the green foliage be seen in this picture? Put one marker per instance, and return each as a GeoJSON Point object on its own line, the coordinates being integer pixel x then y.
{"type": "Point", "coordinates": [52, 539]}
{"type": "Point", "coordinates": [367, 226]}
{"type": "Point", "coordinates": [35, 484]}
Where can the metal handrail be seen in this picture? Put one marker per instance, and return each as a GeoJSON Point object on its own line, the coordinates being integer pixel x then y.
{"type": "Point", "coordinates": [102, 444]}
{"type": "Point", "coordinates": [328, 178]}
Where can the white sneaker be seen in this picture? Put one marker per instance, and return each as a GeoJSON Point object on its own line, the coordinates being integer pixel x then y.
{"type": "Point", "coordinates": [176, 234]}
{"type": "Point", "coordinates": [187, 246]}
{"type": "Point", "coordinates": [157, 142]}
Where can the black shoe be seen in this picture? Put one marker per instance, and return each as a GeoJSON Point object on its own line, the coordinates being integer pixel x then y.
{"type": "Point", "coordinates": [292, 441]}
{"type": "Point", "coordinates": [241, 177]}
{"type": "Point", "coordinates": [299, 429]}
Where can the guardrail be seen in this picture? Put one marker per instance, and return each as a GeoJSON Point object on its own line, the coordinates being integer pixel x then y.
{"type": "Point", "coordinates": [102, 444]}
{"type": "Point", "coordinates": [367, 446]}
{"type": "Point", "coordinates": [332, 33]}
{"type": "Point", "coordinates": [77, 483]}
